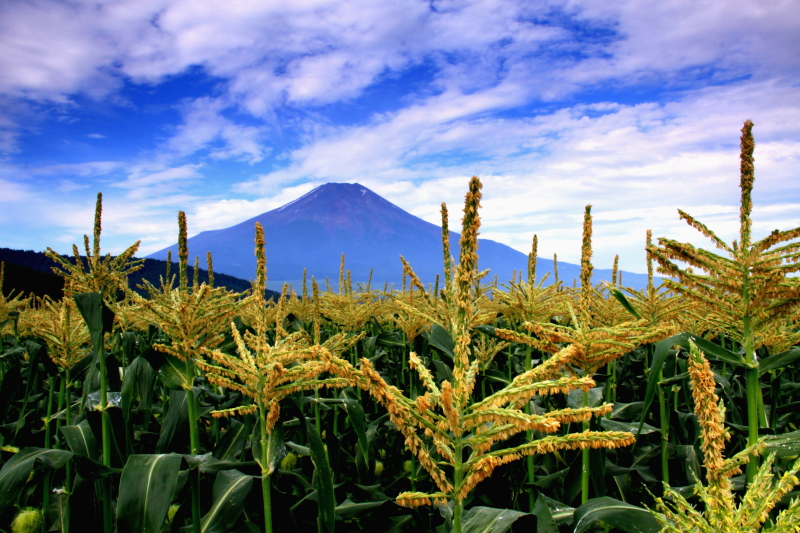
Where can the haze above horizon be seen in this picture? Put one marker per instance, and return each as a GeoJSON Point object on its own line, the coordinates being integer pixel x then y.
{"type": "Point", "coordinates": [165, 105]}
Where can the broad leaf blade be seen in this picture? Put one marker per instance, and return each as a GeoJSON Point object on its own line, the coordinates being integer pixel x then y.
{"type": "Point", "coordinates": [440, 338]}
{"type": "Point", "coordinates": [81, 440]}
{"type": "Point", "coordinates": [489, 520]}
{"type": "Point", "coordinates": [15, 472]}
{"type": "Point", "coordinates": [230, 491]}
{"type": "Point", "coordinates": [326, 499]}
{"type": "Point", "coordinates": [630, 427]}
{"type": "Point", "coordinates": [232, 442]}
{"type": "Point", "coordinates": [779, 360]}
{"type": "Point", "coordinates": [621, 515]}
{"type": "Point", "coordinates": [625, 303]}
{"type": "Point", "coordinates": [146, 479]}
{"type": "Point", "coordinates": [545, 523]}
{"type": "Point", "coordinates": [785, 445]}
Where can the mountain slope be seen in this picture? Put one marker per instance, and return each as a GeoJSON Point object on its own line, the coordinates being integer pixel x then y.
{"type": "Point", "coordinates": [314, 230]}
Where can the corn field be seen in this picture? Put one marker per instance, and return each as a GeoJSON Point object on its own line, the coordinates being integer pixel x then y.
{"type": "Point", "coordinates": [465, 405]}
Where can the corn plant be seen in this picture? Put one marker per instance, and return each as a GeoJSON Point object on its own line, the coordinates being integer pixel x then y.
{"type": "Point", "coordinates": [268, 372]}
{"type": "Point", "coordinates": [723, 511]}
{"type": "Point", "coordinates": [105, 275]}
{"type": "Point", "coordinates": [191, 319]}
{"type": "Point", "coordinates": [596, 344]}
{"type": "Point", "coordinates": [748, 296]}
{"type": "Point", "coordinates": [452, 435]}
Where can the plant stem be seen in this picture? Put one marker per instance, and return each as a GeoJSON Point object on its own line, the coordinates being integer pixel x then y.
{"type": "Point", "coordinates": [47, 427]}
{"type": "Point", "coordinates": [753, 385]}
{"type": "Point", "coordinates": [585, 458]}
{"type": "Point", "coordinates": [194, 442]}
{"type": "Point", "coordinates": [47, 440]}
{"type": "Point", "coordinates": [215, 422]}
{"type": "Point", "coordinates": [265, 474]}
{"type": "Point", "coordinates": [61, 392]}
{"type": "Point", "coordinates": [458, 504]}
{"type": "Point", "coordinates": [317, 419]}
{"type": "Point", "coordinates": [664, 417]}
{"type": "Point", "coordinates": [529, 437]}
{"type": "Point", "coordinates": [106, 432]}
{"type": "Point", "coordinates": [68, 422]}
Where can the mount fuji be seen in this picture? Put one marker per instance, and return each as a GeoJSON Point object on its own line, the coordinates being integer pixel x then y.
{"type": "Point", "coordinates": [314, 231]}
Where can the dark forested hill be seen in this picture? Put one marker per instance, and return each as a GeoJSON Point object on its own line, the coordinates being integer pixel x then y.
{"type": "Point", "coordinates": [27, 272]}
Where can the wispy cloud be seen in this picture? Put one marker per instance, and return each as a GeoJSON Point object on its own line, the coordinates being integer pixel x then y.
{"type": "Point", "coordinates": [633, 107]}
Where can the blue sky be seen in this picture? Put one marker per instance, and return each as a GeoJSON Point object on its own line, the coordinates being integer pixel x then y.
{"type": "Point", "coordinates": [229, 109]}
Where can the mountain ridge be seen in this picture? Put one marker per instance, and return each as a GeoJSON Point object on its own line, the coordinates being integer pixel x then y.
{"type": "Point", "coordinates": [314, 230]}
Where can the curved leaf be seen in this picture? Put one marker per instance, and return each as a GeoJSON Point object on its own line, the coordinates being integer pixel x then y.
{"type": "Point", "coordinates": [621, 515]}
{"type": "Point", "coordinates": [440, 338]}
{"type": "Point", "coordinates": [81, 440]}
{"type": "Point", "coordinates": [16, 471]}
{"type": "Point", "coordinates": [348, 509]}
{"type": "Point", "coordinates": [276, 449]}
{"type": "Point", "coordinates": [545, 523]}
{"type": "Point", "coordinates": [625, 303]}
{"type": "Point", "coordinates": [779, 360]}
{"type": "Point", "coordinates": [176, 419]}
{"type": "Point", "coordinates": [145, 480]}
{"type": "Point", "coordinates": [660, 355]}
{"type": "Point", "coordinates": [630, 427]}
{"type": "Point", "coordinates": [785, 445]}
{"type": "Point", "coordinates": [323, 481]}
{"type": "Point", "coordinates": [489, 520]}
{"type": "Point", "coordinates": [230, 491]}
{"type": "Point", "coordinates": [232, 441]}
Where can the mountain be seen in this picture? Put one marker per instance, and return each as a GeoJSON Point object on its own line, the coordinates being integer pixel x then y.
{"type": "Point", "coordinates": [313, 231]}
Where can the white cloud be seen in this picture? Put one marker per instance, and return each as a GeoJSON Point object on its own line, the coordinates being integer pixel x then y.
{"type": "Point", "coordinates": [89, 168]}
{"type": "Point", "coordinates": [491, 63]}
{"type": "Point", "coordinates": [539, 173]}
{"type": "Point", "coordinates": [205, 127]}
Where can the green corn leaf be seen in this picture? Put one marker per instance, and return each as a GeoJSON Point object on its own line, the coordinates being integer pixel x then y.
{"type": "Point", "coordinates": [785, 445]}
{"type": "Point", "coordinates": [90, 305]}
{"type": "Point", "coordinates": [440, 338]}
{"type": "Point", "coordinates": [621, 515]}
{"type": "Point", "coordinates": [139, 378]}
{"type": "Point", "coordinates": [390, 340]}
{"type": "Point", "coordinates": [15, 472]}
{"type": "Point", "coordinates": [545, 523]}
{"type": "Point", "coordinates": [349, 509]}
{"type": "Point", "coordinates": [545, 481]}
{"type": "Point", "coordinates": [231, 488]}
{"type": "Point", "coordinates": [81, 440]}
{"type": "Point", "coordinates": [57, 513]}
{"type": "Point", "coordinates": [146, 480]}
{"type": "Point", "coordinates": [176, 420]}
{"type": "Point", "coordinates": [10, 386]}
{"type": "Point", "coordinates": [625, 303]}
{"type": "Point", "coordinates": [36, 355]}
{"type": "Point", "coordinates": [631, 427]}
{"type": "Point", "coordinates": [357, 421]}
{"type": "Point", "coordinates": [232, 442]}
{"type": "Point", "coordinates": [660, 355]}
{"type": "Point", "coordinates": [443, 372]}
{"type": "Point", "coordinates": [780, 360]}
{"type": "Point", "coordinates": [489, 520]}
{"type": "Point", "coordinates": [276, 450]}
{"type": "Point", "coordinates": [398, 523]}
{"type": "Point", "coordinates": [174, 373]}
{"type": "Point", "coordinates": [93, 469]}
{"type": "Point", "coordinates": [323, 481]}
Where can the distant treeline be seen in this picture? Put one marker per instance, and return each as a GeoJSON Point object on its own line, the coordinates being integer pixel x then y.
{"type": "Point", "coordinates": [28, 272]}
